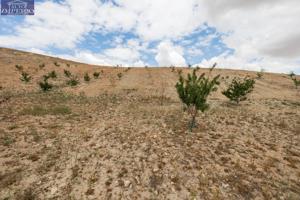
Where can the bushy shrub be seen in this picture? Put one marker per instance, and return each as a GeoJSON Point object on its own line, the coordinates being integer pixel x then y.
{"type": "Point", "coordinates": [67, 73]}
{"type": "Point", "coordinates": [96, 75]}
{"type": "Point", "coordinates": [86, 77]}
{"type": "Point", "coordinates": [238, 89]}
{"type": "Point", "coordinates": [25, 77]}
{"type": "Point", "coordinates": [193, 92]}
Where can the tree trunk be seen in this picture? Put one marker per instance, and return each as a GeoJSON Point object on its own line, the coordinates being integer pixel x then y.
{"type": "Point", "coordinates": [193, 121]}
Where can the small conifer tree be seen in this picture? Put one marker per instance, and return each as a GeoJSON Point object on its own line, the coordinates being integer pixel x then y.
{"type": "Point", "coordinates": [238, 89]}
{"type": "Point", "coordinates": [73, 81]}
{"type": "Point", "coordinates": [19, 67]}
{"type": "Point", "coordinates": [96, 75]}
{"type": "Point", "coordinates": [260, 74]}
{"type": "Point", "coordinates": [292, 74]}
{"type": "Point", "coordinates": [52, 75]}
{"type": "Point", "coordinates": [45, 85]}
{"type": "Point", "coordinates": [193, 92]}
{"type": "Point", "coordinates": [120, 75]}
{"type": "Point", "coordinates": [67, 73]}
{"type": "Point", "coordinates": [25, 77]}
{"type": "Point", "coordinates": [86, 77]}
{"type": "Point", "coordinates": [42, 66]}
{"type": "Point", "coordinates": [56, 64]}
{"type": "Point", "coordinates": [296, 82]}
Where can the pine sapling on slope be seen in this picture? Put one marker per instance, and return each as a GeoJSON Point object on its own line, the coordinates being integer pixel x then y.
{"type": "Point", "coordinates": [96, 75]}
{"type": "Point", "coordinates": [25, 77]}
{"type": "Point", "coordinates": [86, 77]}
{"type": "Point", "coordinates": [238, 89]}
{"type": "Point", "coordinates": [45, 86]}
{"type": "Point", "coordinates": [193, 92]}
{"type": "Point", "coordinates": [67, 73]}
{"type": "Point", "coordinates": [296, 82]}
{"type": "Point", "coordinates": [52, 75]}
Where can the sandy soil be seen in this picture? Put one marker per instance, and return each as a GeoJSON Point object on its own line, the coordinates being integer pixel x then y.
{"type": "Point", "coordinates": [127, 138]}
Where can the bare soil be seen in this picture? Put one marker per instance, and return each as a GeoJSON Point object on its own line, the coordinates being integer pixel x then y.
{"type": "Point", "coordinates": [127, 138]}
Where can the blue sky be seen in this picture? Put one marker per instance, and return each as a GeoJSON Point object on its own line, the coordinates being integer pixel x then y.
{"type": "Point", "coordinates": [236, 34]}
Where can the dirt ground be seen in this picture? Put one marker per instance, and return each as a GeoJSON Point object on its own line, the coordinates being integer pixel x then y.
{"type": "Point", "coordinates": [127, 138]}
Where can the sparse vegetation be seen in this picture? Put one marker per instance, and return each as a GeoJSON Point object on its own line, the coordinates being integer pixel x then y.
{"type": "Point", "coordinates": [52, 75]}
{"type": "Point", "coordinates": [296, 82]}
{"type": "Point", "coordinates": [42, 66]}
{"type": "Point", "coordinates": [193, 92]}
{"type": "Point", "coordinates": [86, 77]}
{"type": "Point", "coordinates": [41, 110]}
{"type": "Point", "coordinates": [73, 81]}
{"type": "Point", "coordinates": [19, 67]}
{"type": "Point", "coordinates": [45, 85]}
{"type": "Point", "coordinates": [292, 74]}
{"type": "Point", "coordinates": [260, 74]}
{"type": "Point", "coordinates": [67, 73]}
{"type": "Point", "coordinates": [120, 75]}
{"type": "Point", "coordinates": [7, 140]}
{"type": "Point", "coordinates": [25, 77]}
{"type": "Point", "coordinates": [56, 64]}
{"type": "Point", "coordinates": [96, 75]}
{"type": "Point", "coordinates": [238, 89]}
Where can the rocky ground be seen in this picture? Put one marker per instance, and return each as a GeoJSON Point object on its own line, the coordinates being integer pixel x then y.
{"type": "Point", "coordinates": [127, 138]}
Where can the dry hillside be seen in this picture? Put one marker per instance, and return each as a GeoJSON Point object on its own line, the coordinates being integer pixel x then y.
{"type": "Point", "coordinates": [125, 137]}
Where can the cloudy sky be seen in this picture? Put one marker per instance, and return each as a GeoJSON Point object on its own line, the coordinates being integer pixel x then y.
{"type": "Point", "coordinates": [239, 34]}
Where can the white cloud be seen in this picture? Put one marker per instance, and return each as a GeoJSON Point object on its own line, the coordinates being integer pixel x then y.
{"type": "Point", "coordinates": [266, 31]}
{"type": "Point", "coordinates": [168, 54]}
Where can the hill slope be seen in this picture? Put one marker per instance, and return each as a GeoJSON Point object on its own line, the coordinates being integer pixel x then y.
{"type": "Point", "coordinates": [127, 138]}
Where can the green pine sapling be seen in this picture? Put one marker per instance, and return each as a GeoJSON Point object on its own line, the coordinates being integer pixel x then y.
{"type": "Point", "coordinates": [67, 73]}
{"type": "Point", "coordinates": [96, 75]}
{"type": "Point", "coordinates": [193, 92]}
{"type": "Point", "coordinates": [86, 77]}
{"type": "Point", "coordinates": [238, 89]}
{"type": "Point", "coordinates": [25, 77]}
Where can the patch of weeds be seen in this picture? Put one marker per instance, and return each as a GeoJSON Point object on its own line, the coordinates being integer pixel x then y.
{"type": "Point", "coordinates": [7, 140]}
{"type": "Point", "coordinates": [41, 111]}
{"type": "Point", "coordinates": [12, 127]}
{"type": "Point", "coordinates": [27, 194]}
